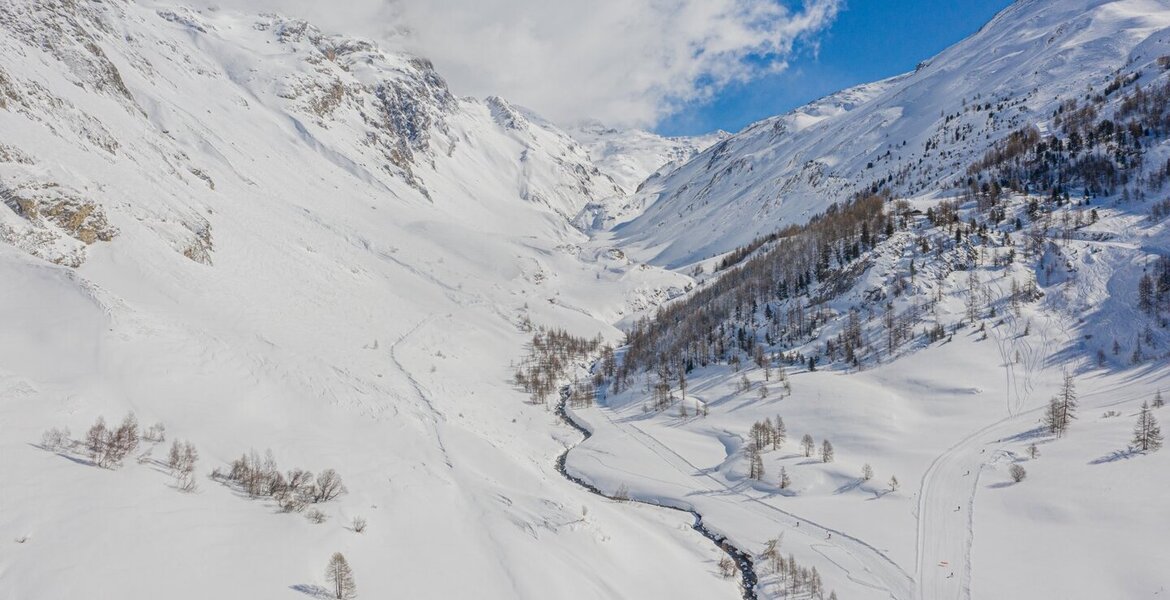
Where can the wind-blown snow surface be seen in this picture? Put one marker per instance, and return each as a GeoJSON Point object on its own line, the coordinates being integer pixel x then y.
{"type": "Point", "coordinates": [293, 241]}
{"type": "Point", "coordinates": [902, 131]}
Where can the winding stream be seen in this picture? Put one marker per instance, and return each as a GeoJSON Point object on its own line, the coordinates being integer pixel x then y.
{"type": "Point", "coordinates": [742, 560]}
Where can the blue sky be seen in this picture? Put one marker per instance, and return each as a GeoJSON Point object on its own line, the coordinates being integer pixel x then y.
{"type": "Point", "coordinates": [870, 40]}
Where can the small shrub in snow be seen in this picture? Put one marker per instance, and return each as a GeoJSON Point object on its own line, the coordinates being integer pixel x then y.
{"type": "Point", "coordinates": [727, 567]}
{"type": "Point", "coordinates": [155, 433]}
{"type": "Point", "coordinates": [182, 457]}
{"type": "Point", "coordinates": [866, 472]}
{"type": "Point", "coordinates": [56, 439]}
{"type": "Point", "coordinates": [359, 525]}
{"type": "Point", "coordinates": [315, 516]}
{"type": "Point", "coordinates": [1018, 473]}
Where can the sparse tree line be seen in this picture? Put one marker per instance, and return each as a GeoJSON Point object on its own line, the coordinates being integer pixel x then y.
{"type": "Point", "coordinates": [792, 578]}
{"type": "Point", "coordinates": [552, 353]}
{"type": "Point", "coordinates": [108, 447]}
{"type": "Point", "coordinates": [1061, 411]}
{"type": "Point", "coordinates": [293, 491]}
{"type": "Point", "coordinates": [768, 435]}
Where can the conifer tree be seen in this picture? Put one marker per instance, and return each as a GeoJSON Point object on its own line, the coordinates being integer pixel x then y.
{"type": "Point", "coordinates": [807, 443]}
{"type": "Point", "coordinates": [1147, 436]}
{"type": "Point", "coordinates": [340, 578]}
{"type": "Point", "coordinates": [780, 434]}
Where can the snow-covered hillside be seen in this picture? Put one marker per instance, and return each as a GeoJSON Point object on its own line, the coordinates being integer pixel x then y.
{"type": "Point", "coordinates": [921, 275]}
{"type": "Point", "coordinates": [267, 237]}
{"type": "Point", "coordinates": [913, 133]}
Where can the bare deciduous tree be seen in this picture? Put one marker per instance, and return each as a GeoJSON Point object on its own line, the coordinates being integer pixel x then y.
{"type": "Point", "coordinates": [329, 486]}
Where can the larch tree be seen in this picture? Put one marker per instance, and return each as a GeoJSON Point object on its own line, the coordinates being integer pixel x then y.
{"type": "Point", "coordinates": [826, 451]}
{"type": "Point", "coordinates": [1147, 436]}
{"type": "Point", "coordinates": [756, 463]}
{"type": "Point", "coordinates": [340, 578]}
{"type": "Point", "coordinates": [807, 444]}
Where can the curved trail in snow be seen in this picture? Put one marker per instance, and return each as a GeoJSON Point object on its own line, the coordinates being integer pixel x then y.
{"type": "Point", "coordinates": [860, 562]}
{"type": "Point", "coordinates": [946, 501]}
{"type": "Point", "coordinates": [743, 560]}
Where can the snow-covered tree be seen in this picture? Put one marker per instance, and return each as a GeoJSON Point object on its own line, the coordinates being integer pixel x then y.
{"type": "Point", "coordinates": [866, 472]}
{"type": "Point", "coordinates": [340, 578]}
{"type": "Point", "coordinates": [785, 480]}
{"type": "Point", "coordinates": [826, 451]}
{"type": "Point", "coordinates": [1158, 401]}
{"type": "Point", "coordinates": [1017, 472]}
{"type": "Point", "coordinates": [894, 485]}
{"type": "Point", "coordinates": [1147, 436]}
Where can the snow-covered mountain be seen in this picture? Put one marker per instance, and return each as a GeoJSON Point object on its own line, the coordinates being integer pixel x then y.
{"type": "Point", "coordinates": [912, 133]}
{"type": "Point", "coordinates": [264, 236]}
{"type": "Point", "coordinates": [630, 156]}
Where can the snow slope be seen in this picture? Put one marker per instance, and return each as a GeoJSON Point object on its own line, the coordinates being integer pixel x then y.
{"type": "Point", "coordinates": [267, 237]}
{"type": "Point", "coordinates": [916, 132]}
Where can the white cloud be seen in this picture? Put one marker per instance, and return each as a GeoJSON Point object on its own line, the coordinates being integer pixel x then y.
{"type": "Point", "coordinates": [621, 61]}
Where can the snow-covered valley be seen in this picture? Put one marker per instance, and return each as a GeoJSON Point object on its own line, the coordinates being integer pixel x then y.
{"type": "Point", "coordinates": [266, 237]}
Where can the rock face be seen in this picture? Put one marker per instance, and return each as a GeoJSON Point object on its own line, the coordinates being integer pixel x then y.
{"type": "Point", "coordinates": [156, 114]}
{"type": "Point", "coordinates": [53, 213]}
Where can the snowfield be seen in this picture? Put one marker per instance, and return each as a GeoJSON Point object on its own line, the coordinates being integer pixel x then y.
{"type": "Point", "coordinates": [268, 237]}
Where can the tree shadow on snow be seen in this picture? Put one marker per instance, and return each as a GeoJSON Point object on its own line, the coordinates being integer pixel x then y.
{"type": "Point", "coordinates": [1031, 434]}
{"type": "Point", "coordinates": [314, 591]}
{"type": "Point", "coordinates": [1114, 456]}
{"type": "Point", "coordinates": [66, 455]}
{"type": "Point", "coordinates": [850, 486]}
{"type": "Point", "coordinates": [1001, 485]}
